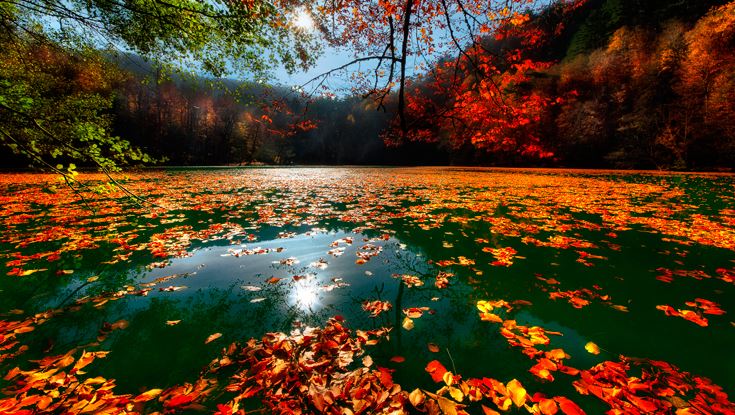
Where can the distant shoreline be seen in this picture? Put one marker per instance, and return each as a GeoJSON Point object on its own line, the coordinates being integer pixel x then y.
{"type": "Point", "coordinates": [581, 170]}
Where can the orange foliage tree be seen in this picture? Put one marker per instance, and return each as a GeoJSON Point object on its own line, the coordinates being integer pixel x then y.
{"type": "Point", "coordinates": [449, 79]}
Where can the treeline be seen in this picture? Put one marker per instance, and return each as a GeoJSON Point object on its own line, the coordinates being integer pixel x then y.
{"type": "Point", "coordinates": [199, 122]}
{"type": "Point", "coordinates": [614, 83]}
{"type": "Point", "coordinates": [659, 94]}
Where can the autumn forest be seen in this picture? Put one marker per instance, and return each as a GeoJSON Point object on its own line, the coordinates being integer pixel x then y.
{"type": "Point", "coordinates": [346, 207]}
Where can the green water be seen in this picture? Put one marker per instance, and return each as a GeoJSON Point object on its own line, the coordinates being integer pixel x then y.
{"type": "Point", "coordinates": [413, 218]}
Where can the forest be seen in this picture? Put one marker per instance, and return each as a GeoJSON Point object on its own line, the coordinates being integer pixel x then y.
{"type": "Point", "coordinates": [605, 83]}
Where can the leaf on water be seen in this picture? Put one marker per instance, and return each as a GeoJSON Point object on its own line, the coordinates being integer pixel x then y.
{"type": "Point", "coordinates": [376, 307]}
{"type": "Point", "coordinates": [620, 308]}
{"type": "Point", "coordinates": [416, 397]}
{"type": "Point", "coordinates": [436, 370]}
{"type": "Point", "coordinates": [407, 323]}
{"type": "Point", "coordinates": [568, 407]}
{"type": "Point", "coordinates": [367, 361]}
{"type": "Point", "coordinates": [172, 288]}
{"type": "Point", "coordinates": [213, 337]}
{"type": "Point", "coordinates": [548, 407]}
{"type": "Point", "coordinates": [592, 348]}
{"type": "Point", "coordinates": [517, 393]}
{"type": "Point", "coordinates": [448, 406]}
{"type": "Point", "coordinates": [147, 396]}
{"type": "Point", "coordinates": [120, 325]}
{"type": "Point", "coordinates": [456, 394]}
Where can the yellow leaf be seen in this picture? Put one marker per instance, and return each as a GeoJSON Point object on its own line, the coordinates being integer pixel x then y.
{"type": "Point", "coordinates": [456, 394]}
{"type": "Point", "coordinates": [147, 396]}
{"type": "Point", "coordinates": [416, 397]}
{"type": "Point", "coordinates": [517, 393]}
{"type": "Point", "coordinates": [407, 323]}
{"type": "Point", "coordinates": [447, 406]}
{"type": "Point", "coordinates": [592, 348]}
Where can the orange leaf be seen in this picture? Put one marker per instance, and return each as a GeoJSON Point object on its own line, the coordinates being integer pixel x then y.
{"type": "Point", "coordinates": [147, 396]}
{"type": "Point", "coordinates": [517, 393]}
{"type": "Point", "coordinates": [213, 337]}
{"type": "Point", "coordinates": [436, 370]}
{"type": "Point", "coordinates": [569, 407]}
{"type": "Point", "coordinates": [548, 407]}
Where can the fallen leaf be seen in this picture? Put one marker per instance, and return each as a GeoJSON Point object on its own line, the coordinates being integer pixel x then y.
{"type": "Point", "coordinates": [407, 323]}
{"type": "Point", "coordinates": [147, 396]}
{"type": "Point", "coordinates": [436, 370]}
{"type": "Point", "coordinates": [517, 393]}
{"type": "Point", "coordinates": [213, 337]}
{"type": "Point", "coordinates": [592, 348]}
{"type": "Point", "coordinates": [416, 397]}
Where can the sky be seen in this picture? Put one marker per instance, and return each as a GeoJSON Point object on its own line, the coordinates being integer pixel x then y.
{"type": "Point", "coordinates": [331, 58]}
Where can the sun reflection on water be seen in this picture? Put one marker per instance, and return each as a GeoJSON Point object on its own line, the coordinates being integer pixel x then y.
{"type": "Point", "coordinates": [305, 295]}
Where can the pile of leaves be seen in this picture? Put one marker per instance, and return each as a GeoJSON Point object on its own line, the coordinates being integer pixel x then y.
{"type": "Point", "coordinates": [312, 370]}
{"type": "Point", "coordinates": [660, 388]}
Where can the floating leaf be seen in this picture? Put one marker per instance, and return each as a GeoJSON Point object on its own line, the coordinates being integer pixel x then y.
{"type": "Point", "coordinates": [592, 348]}
{"type": "Point", "coordinates": [212, 338]}
{"type": "Point", "coordinates": [407, 324]}
{"type": "Point", "coordinates": [147, 396]}
{"type": "Point", "coordinates": [517, 393]}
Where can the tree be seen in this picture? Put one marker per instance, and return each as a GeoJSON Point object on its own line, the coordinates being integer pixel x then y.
{"type": "Point", "coordinates": [450, 41]}
{"type": "Point", "coordinates": [55, 83]}
{"type": "Point", "coordinates": [53, 108]}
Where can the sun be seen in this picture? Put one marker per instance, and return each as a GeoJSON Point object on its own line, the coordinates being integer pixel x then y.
{"type": "Point", "coordinates": [302, 19]}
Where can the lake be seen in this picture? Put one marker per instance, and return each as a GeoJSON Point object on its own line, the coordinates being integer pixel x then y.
{"type": "Point", "coordinates": [531, 288]}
